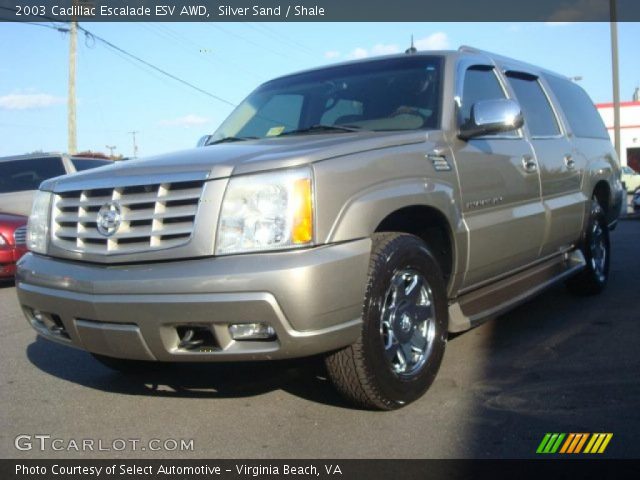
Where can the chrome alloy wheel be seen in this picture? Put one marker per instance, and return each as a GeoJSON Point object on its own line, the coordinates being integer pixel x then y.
{"type": "Point", "coordinates": [408, 323]}
{"type": "Point", "coordinates": [598, 248]}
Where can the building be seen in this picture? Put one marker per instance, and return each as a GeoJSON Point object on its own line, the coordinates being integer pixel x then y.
{"type": "Point", "coordinates": [629, 129]}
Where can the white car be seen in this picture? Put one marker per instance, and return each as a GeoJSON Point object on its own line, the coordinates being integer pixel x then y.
{"type": "Point", "coordinates": [631, 179]}
{"type": "Point", "coordinates": [636, 201]}
{"type": "Point", "coordinates": [21, 175]}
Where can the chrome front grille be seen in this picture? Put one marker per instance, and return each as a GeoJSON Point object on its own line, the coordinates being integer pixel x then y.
{"type": "Point", "coordinates": [20, 236]}
{"type": "Point", "coordinates": [149, 217]}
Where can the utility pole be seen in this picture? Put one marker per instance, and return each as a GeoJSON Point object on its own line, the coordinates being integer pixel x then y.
{"type": "Point", "coordinates": [135, 146]}
{"type": "Point", "coordinates": [72, 145]}
{"type": "Point", "coordinates": [111, 148]}
{"type": "Point", "coordinates": [615, 74]}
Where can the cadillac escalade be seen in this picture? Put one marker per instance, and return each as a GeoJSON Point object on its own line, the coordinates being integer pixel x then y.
{"type": "Point", "coordinates": [361, 211]}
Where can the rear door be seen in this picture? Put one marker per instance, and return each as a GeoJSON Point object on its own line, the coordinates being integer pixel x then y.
{"type": "Point", "coordinates": [499, 185]}
{"type": "Point", "coordinates": [561, 167]}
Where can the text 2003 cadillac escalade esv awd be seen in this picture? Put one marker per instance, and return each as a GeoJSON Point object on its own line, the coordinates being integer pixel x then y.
{"type": "Point", "coordinates": [361, 211]}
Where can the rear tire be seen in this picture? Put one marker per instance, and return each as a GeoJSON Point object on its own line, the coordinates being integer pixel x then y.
{"type": "Point", "coordinates": [596, 249]}
{"type": "Point", "coordinates": [404, 329]}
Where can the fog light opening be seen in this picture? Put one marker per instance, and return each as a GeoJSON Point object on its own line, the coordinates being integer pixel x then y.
{"type": "Point", "coordinates": [36, 317]}
{"type": "Point", "coordinates": [47, 321]}
{"type": "Point", "coordinates": [56, 326]}
{"type": "Point", "coordinates": [252, 331]}
{"type": "Point", "coordinates": [196, 337]}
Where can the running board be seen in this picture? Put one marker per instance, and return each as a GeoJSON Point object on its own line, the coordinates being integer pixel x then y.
{"type": "Point", "coordinates": [473, 308]}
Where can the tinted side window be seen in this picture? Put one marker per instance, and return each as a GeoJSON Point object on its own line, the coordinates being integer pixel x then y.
{"type": "Point", "coordinates": [538, 114]}
{"type": "Point", "coordinates": [22, 175]}
{"type": "Point", "coordinates": [81, 164]}
{"type": "Point", "coordinates": [581, 113]}
{"type": "Point", "coordinates": [480, 83]}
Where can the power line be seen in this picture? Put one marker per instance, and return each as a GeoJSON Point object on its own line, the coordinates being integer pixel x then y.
{"type": "Point", "coordinates": [154, 67]}
{"type": "Point", "coordinates": [135, 57]}
{"type": "Point", "coordinates": [52, 27]}
{"type": "Point", "coordinates": [181, 41]}
{"type": "Point", "coordinates": [251, 42]}
{"type": "Point", "coordinates": [269, 32]}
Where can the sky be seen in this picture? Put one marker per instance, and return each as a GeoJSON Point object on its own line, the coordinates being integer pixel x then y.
{"type": "Point", "coordinates": [117, 95]}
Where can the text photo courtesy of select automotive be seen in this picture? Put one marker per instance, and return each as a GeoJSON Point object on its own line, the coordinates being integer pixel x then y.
{"type": "Point", "coordinates": [319, 240]}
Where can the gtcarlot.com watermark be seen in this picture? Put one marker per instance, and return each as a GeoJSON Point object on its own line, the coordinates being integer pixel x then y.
{"type": "Point", "coordinates": [49, 443]}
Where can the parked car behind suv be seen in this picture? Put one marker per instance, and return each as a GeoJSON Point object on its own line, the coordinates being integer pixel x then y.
{"type": "Point", "coordinates": [361, 211]}
{"type": "Point", "coordinates": [21, 175]}
{"type": "Point", "coordinates": [630, 179]}
{"type": "Point", "coordinates": [13, 243]}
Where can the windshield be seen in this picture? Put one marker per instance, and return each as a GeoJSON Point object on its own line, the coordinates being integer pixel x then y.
{"type": "Point", "coordinates": [381, 95]}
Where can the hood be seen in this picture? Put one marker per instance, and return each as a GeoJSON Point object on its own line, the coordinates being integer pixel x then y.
{"type": "Point", "coordinates": [226, 159]}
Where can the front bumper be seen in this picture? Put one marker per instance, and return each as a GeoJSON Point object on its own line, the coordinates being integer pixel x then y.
{"type": "Point", "coordinates": [312, 298]}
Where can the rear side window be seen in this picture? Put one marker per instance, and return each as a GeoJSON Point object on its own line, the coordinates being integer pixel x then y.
{"type": "Point", "coordinates": [81, 164]}
{"type": "Point", "coordinates": [480, 83]}
{"type": "Point", "coordinates": [538, 114]}
{"type": "Point", "coordinates": [581, 113]}
{"type": "Point", "coordinates": [23, 175]}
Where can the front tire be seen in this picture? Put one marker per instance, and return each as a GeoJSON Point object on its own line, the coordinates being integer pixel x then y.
{"type": "Point", "coordinates": [404, 329]}
{"type": "Point", "coordinates": [596, 249]}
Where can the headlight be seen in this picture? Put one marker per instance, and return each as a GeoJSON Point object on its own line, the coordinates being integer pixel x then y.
{"type": "Point", "coordinates": [38, 225]}
{"type": "Point", "coordinates": [266, 211]}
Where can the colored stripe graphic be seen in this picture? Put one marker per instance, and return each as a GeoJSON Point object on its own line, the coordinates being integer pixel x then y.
{"type": "Point", "coordinates": [566, 445]}
{"type": "Point", "coordinates": [543, 443]}
{"type": "Point", "coordinates": [598, 442]}
{"type": "Point", "coordinates": [574, 443]}
{"type": "Point", "coordinates": [550, 443]}
{"type": "Point", "coordinates": [581, 442]}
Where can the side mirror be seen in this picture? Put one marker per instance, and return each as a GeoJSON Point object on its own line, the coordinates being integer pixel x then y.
{"type": "Point", "coordinates": [492, 116]}
{"type": "Point", "coordinates": [203, 140]}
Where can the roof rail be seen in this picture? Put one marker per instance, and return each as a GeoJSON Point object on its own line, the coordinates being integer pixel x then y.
{"type": "Point", "coordinates": [501, 59]}
{"type": "Point", "coordinates": [468, 48]}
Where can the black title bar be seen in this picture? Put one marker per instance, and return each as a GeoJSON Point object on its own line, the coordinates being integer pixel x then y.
{"type": "Point", "coordinates": [319, 10]}
{"type": "Point", "coordinates": [600, 469]}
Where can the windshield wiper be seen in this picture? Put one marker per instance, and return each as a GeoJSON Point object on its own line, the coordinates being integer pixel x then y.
{"type": "Point", "coordinates": [323, 128]}
{"type": "Point", "coordinates": [231, 139]}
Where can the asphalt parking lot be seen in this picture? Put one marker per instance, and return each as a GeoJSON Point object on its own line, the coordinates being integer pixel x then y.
{"type": "Point", "coordinates": [556, 364]}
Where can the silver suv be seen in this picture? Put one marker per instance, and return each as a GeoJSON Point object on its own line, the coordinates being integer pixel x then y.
{"type": "Point", "coordinates": [361, 211]}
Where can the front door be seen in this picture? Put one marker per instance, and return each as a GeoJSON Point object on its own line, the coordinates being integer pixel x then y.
{"type": "Point", "coordinates": [500, 189]}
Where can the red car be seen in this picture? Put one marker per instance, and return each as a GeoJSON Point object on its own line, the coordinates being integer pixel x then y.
{"type": "Point", "coordinates": [13, 239]}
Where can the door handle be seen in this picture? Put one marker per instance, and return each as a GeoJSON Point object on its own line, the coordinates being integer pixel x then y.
{"type": "Point", "coordinates": [529, 164]}
{"type": "Point", "coordinates": [569, 162]}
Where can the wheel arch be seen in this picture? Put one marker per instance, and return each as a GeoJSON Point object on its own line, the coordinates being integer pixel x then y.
{"type": "Point", "coordinates": [602, 192]}
{"type": "Point", "coordinates": [424, 208]}
{"type": "Point", "coordinates": [430, 225]}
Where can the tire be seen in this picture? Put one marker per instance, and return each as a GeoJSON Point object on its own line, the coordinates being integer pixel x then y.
{"type": "Point", "coordinates": [127, 366]}
{"type": "Point", "coordinates": [405, 302]}
{"type": "Point", "coordinates": [595, 247]}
